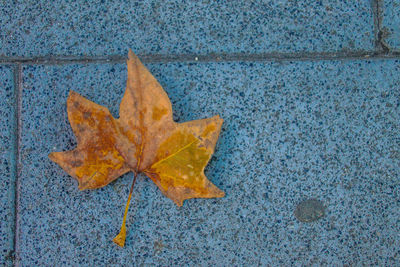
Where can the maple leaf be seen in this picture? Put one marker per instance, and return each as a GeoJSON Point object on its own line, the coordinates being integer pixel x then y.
{"type": "Point", "coordinates": [144, 139]}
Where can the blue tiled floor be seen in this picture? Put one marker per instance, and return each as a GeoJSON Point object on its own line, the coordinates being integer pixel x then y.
{"type": "Point", "coordinates": [299, 129]}
{"type": "Point", "coordinates": [7, 162]}
{"type": "Point", "coordinates": [391, 23]}
{"type": "Point", "coordinates": [292, 131]}
{"type": "Point", "coordinates": [35, 28]}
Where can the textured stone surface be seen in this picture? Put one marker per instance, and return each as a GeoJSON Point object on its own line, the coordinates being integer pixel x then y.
{"type": "Point", "coordinates": [294, 130]}
{"type": "Point", "coordinates": [40, 28]}
{"type": "Point", "coordinates": [7, 163]}
{"type": "Point", "coordinates": [391, 23]}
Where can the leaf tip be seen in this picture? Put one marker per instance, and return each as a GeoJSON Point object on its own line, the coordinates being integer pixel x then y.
{"type": "Point", "coordinates": [214, 191]}
{"type": "Point", "coordinates": [72, 93]}
{"type": "Point", "coordinates": [131, 55]}
{"type": "Point", "coordinates": [219, 119]}
{"type": "Point", "coordinates": [55, 157]}
{"type": "Point", "coordinates": [81, 187]}
{"type": "Point", "coordinates": [120, 238]}
{"type": "Point", "coordinates": [72, 97]}
{"type": "Point", "coordinates": [51, 155]}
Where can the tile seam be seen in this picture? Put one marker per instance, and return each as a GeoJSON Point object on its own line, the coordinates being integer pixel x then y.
{"type": "Point", "coordinates": [380, 34]}
{"type": "Point", "coordinates": [375, 15]}
{"type": "Point", "coordinates": [193, 58]}
{"type": "Point", "coordinates": [17, 140]}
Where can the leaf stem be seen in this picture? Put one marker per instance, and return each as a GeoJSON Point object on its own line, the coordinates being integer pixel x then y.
{"type": "Point", "coordinates": [120, 238]}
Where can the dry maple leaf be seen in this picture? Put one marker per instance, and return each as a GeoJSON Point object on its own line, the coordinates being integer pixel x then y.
{"type": "Point", "coordinates": [144, 139]}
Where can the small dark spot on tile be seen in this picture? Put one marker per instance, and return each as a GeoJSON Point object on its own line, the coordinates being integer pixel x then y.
{"type": "Point", "coordinates": [158, 246]}
{"type": "Point", "coordinates": [309, 210]}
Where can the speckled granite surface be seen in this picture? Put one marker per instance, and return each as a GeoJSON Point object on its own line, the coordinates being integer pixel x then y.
{"type": "Point", "coordinates": [295, 130]}
{"type": "Point", "coordinates": [40, 28]}
{"type": "Point", "coordinates": [391, 23]}
{"type": "Point", "coordinates": [311, 102]}
{"type": "Point", "coordinates": [7, 163]}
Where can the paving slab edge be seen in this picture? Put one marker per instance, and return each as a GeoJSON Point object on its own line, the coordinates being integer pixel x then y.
{"type": "Point", "coordinates": [60, 60]}
{"type": "Point", "coordinates": [380, 42]}
{"type": "Point", "coordinates": [17, 69]}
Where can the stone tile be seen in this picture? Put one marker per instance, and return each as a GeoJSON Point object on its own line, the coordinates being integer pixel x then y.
{"type": "Point", "coordinates": [391, 23]}
{"type": "Point", "coordinates": [41, 28]}
{"type": "Point", "coordinates": [293, 130]}
{"type": "Point", "coordinates": [7, 163]}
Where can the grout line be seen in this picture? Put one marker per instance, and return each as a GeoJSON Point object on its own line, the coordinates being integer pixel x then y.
{"type": "Point", "coordinates": [193, 58]}
{"type": "Point", "coordinates": [375, 14]}
{"type": "Point", "coordinates": [17, 136]}
{"type": "Point", "coordinates": [380, 34]}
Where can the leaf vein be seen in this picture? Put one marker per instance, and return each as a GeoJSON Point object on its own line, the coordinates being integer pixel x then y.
{"type": "Point", "coordinates": [173, 154]}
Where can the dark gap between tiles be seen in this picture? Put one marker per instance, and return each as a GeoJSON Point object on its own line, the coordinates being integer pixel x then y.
{"type": "Point", "coordinates": [375, 14]}
{"type": "Point", "coordinates": [16, 160]}
{"type": "Point", "coordinates": [315, 56]}
{"type": "Point", "coordinates": [380, 43]}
